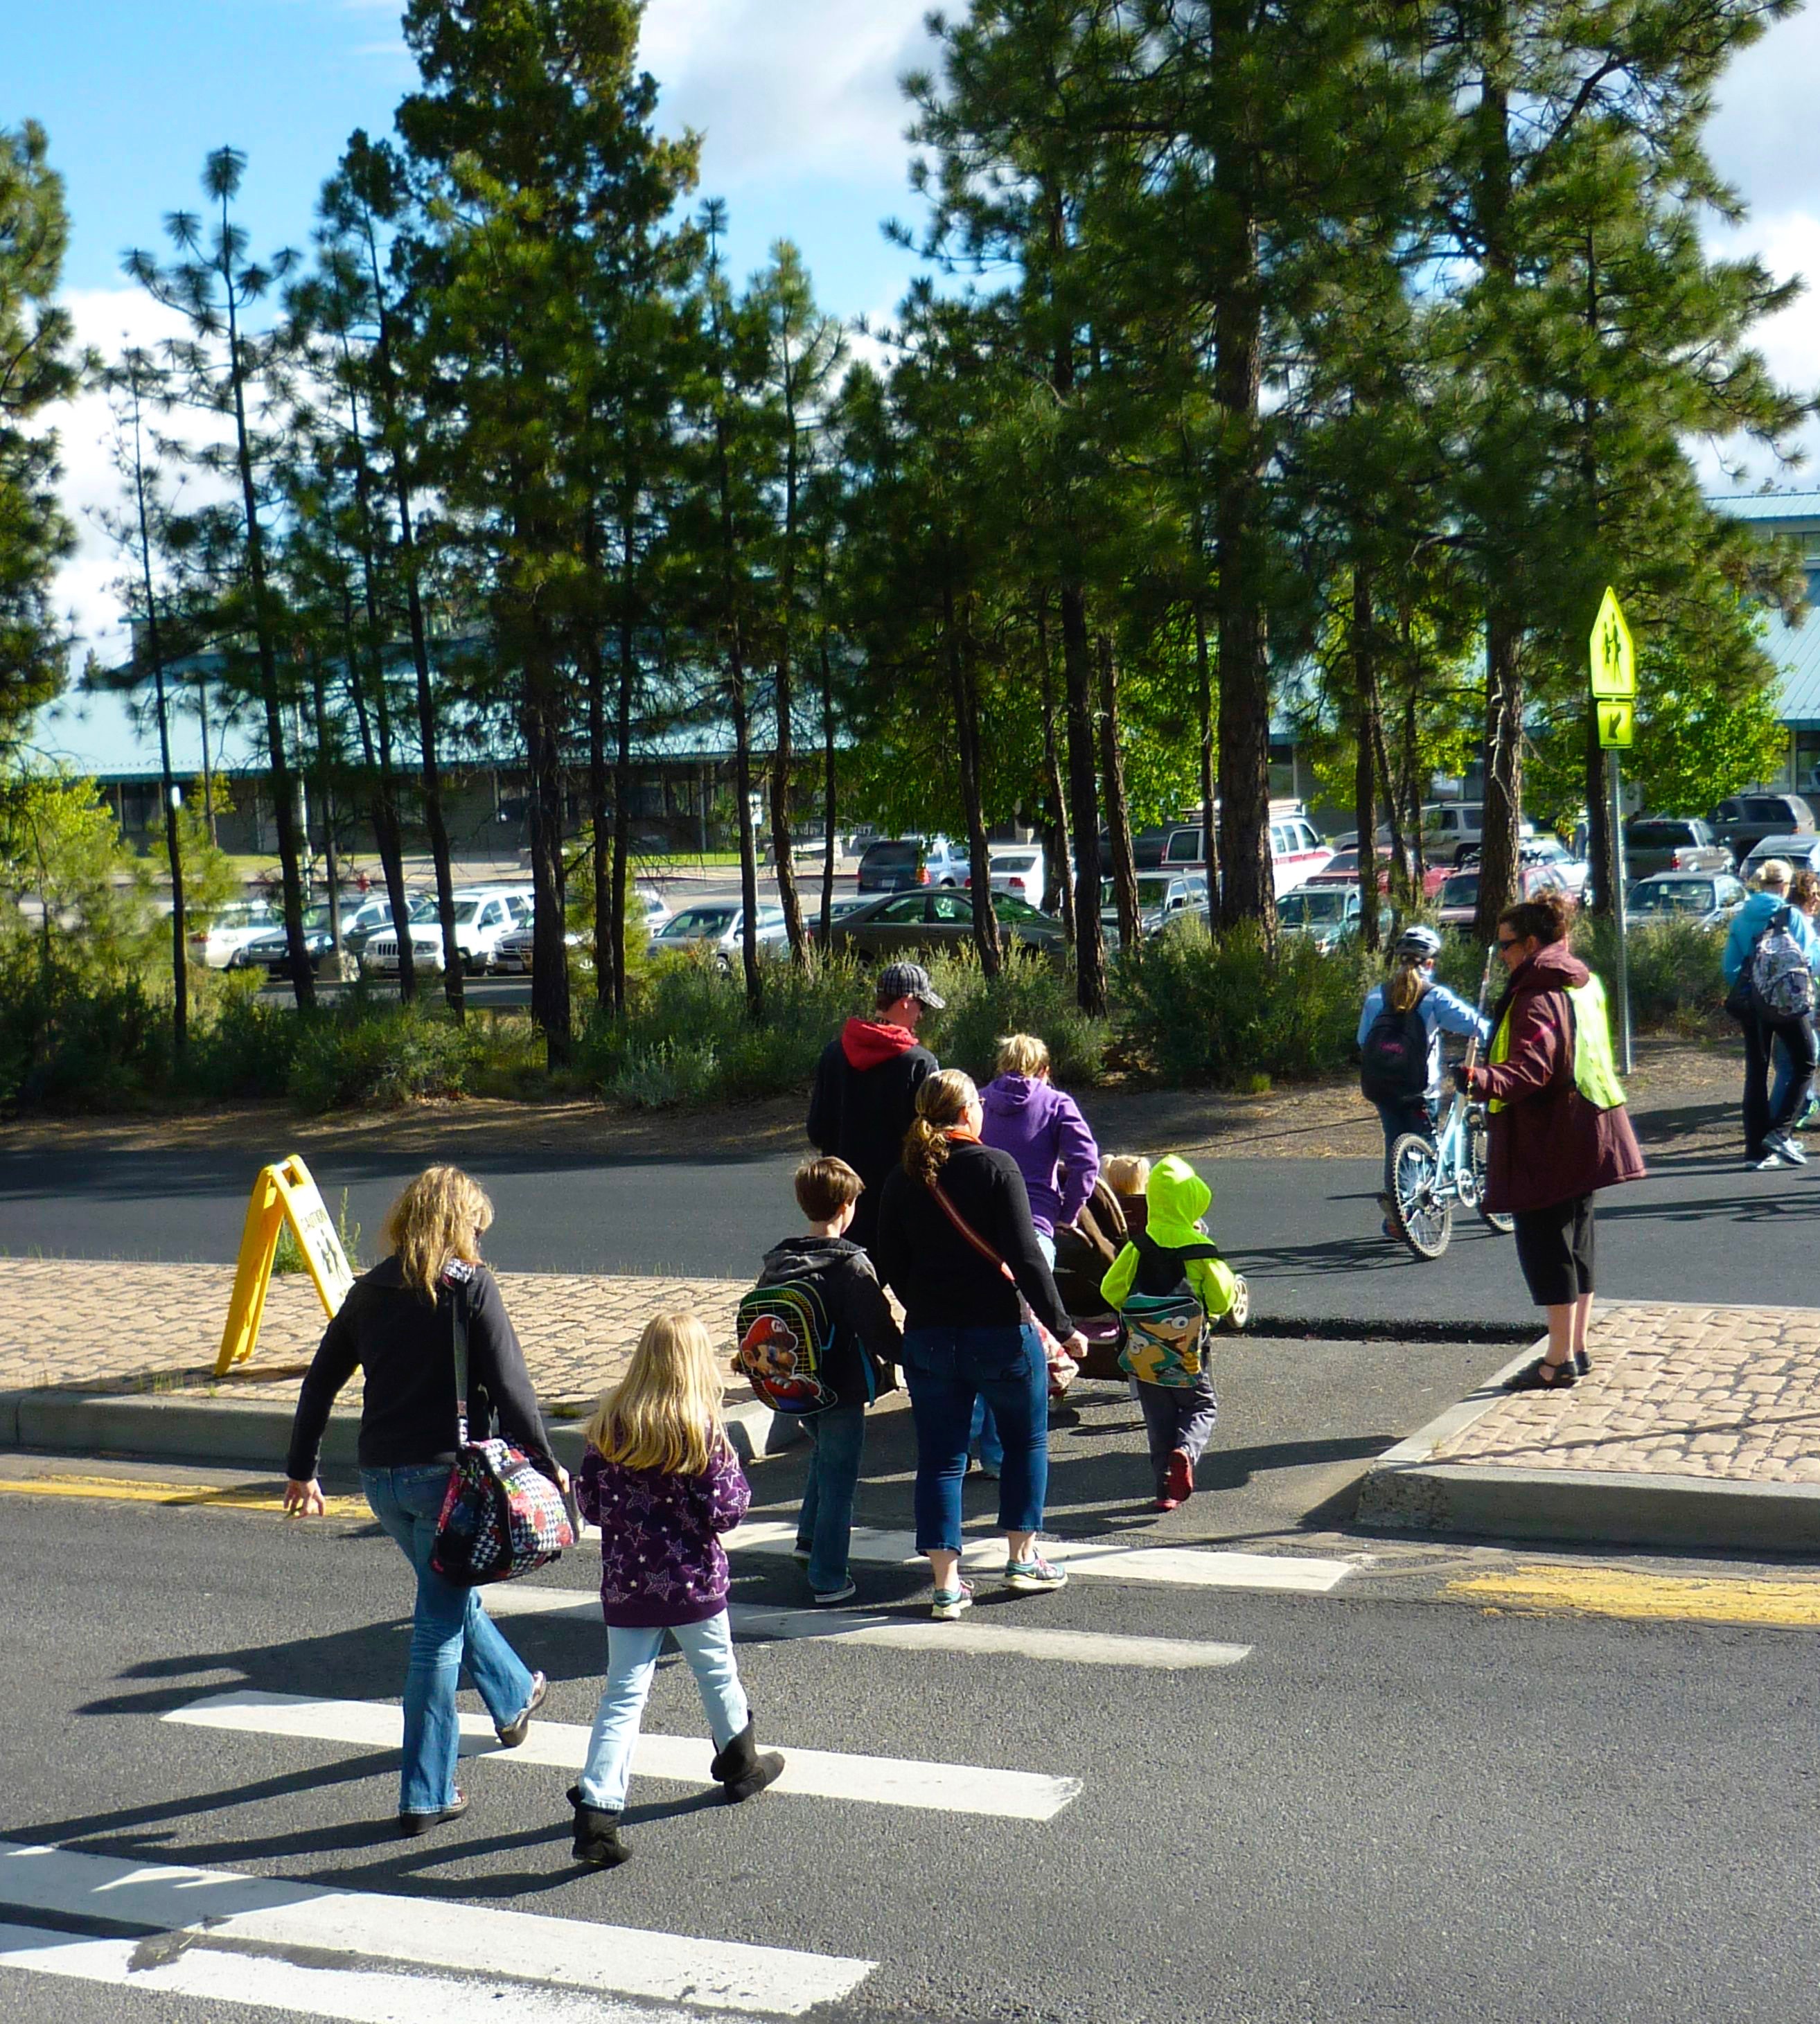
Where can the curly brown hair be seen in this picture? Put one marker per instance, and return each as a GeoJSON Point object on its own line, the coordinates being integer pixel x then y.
{"type": "Point", "coordinates": [1548, 917]}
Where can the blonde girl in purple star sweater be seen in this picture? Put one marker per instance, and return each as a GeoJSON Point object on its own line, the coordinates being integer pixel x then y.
{"type": "Point", "coordinates": [661, 1481]}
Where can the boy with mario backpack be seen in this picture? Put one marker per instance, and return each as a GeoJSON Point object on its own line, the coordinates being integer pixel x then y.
{"type": "Point", "coordinates": [1169, 1284]}
{"type": "Point", "coordinates": [817, 1338]}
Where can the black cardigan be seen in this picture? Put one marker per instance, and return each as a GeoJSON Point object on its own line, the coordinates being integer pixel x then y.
{"type": "Point", "coordinates": [406, 1348]}
{"type": "Point", "coordinates": [941, 1279]}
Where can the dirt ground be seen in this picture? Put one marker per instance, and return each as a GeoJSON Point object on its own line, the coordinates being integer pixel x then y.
{"type": "Point", "coordinates": [1684, 1099]}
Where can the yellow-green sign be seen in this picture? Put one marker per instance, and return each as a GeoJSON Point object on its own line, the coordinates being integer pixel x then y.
{"type": "Point", "coordinates": [1617, 720]}
{"type": "Point", "coordinates": [1614, 657]}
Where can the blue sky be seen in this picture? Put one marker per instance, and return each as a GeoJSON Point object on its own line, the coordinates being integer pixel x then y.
{"type": "Point", "coordinates": [802, 119]}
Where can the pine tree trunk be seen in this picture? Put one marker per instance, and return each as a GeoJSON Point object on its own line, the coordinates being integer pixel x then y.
{"type": "Point", "coordinates": [1209, 807]}
{"type": "Point", "coordinates": [1058, 867]}
{"type": "Point", "coordinates": [1602, 838]}
{"type": "Point", "coordinates": [829, 796]}
{"type": "Point", "coordinates": [985, 925]}
{"type": "Point", "coordinates": [617, 894]}
{"type": "Point", "coordinates": [539, 720]}
{"type": "Point", "coordinates": [1077, 671]}
{"type": "Point", "coordinates": [331, 865]}
{"type": "Point", "coordinates": [382, 808]}
{"type": "Point", "coordinates": [784, 757]}
{"type": "Point", "coordinates": [1498, 856]}
{"type": "Point", "coordinates": [736, 701]}
{"type": "Point", "coordinates": [1117, 817]}
{"type": "Point", "coordinates": [1368, 733]}
{"type": "Point", "coordinates": [1408, 889]}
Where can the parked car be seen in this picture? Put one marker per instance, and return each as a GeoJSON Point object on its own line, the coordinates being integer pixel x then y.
{"type": "Point", "coordinates": [1160, 894]}
{"type": "Point", "coordinates": [1572, 871]}
{"type": "Point", "coordinates": [719, 925]}
{"type": "Point", "coordinates": [1020, 869]}
{"type": "Point", "coordinates": [358, 928]}
{"type": "Point", "coordinates": [893, 864]}
{"type": "Point", "coordinates": [231, 928]}
{"type": "Point", "coordinates": [1800, 850]}
{"type": "Point", "coordinates": [1459, 897]}
{"type": "Point", "coordinates": [484, 916]}
{"type": "Point", "coordinates": [1672, 843]}
{"type": "Point", "coordinates": [1342, 869]}
{"type": "Point", "coordinates": [1325, 915]}
{"type": "Point", "coordinates": [1709, 897]}
{"type": "Point", "coordinates": [514, 951]}
{"type": "Point", "coordinates": [1457, 828]}
{"type": "Point", "coordinates": [271, 951]}
{"type": "Point", "coordinates": [901, 923]}
{"type": "Point", "coordinates": [1296, 851]}
{"type": "Point", "coordinates": [1741, 822]}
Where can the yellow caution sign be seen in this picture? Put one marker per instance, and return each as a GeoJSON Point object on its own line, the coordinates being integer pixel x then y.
{"type": "Point", "coordinates": [282, 1194]}
{"type": "Point", "coordinates": [1611, 652]}
{"type": "Point", "coordinates": [1617, 723]}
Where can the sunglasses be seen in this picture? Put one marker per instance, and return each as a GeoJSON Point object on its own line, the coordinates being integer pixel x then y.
{"type": "Point", "coordinates": [1507, 942]}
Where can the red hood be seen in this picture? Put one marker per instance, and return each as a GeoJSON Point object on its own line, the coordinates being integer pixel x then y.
{"type": "Point", "coordinates": [867, 1043]}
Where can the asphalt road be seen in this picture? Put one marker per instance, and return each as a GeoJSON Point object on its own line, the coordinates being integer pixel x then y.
{"type": "Point", "coordinates": [1306, 1232]}
{"type": "Point", "coordinates": [1387, 1807]}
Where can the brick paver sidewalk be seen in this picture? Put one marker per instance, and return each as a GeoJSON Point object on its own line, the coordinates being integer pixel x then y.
{"type": "Point", "coordinates": [1719, 1392]}
{"type": "Point", "coordinates": [108, 1326]}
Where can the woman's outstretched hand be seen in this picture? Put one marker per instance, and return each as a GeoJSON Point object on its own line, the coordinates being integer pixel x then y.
{"type": "Point", "coordinates": [304, 1500]}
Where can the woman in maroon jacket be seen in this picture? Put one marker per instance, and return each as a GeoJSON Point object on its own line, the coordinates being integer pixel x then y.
{"type": "Point", "coordinates": [1558, 1125]}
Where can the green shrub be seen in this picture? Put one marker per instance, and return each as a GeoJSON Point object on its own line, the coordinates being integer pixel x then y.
{"type": "Point", "coordinates": [1676, 979]}
{"type": "Point", "coordinates": [1200, 1008]}
{"type": "Point", "coordinates": [240, 1046]}
{"type": "Point", "coordinates": [1028, 996]}
{"type": "Point", "coordinates": [364, 1054]}
{"type": "Point", "coordinates": [75, 1043]}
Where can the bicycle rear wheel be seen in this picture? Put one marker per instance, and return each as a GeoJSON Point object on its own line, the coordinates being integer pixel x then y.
{"type": "Point", "coordinates": [1478, 1151]}
{"type": "Point", "coordinates": [1419, 1213]}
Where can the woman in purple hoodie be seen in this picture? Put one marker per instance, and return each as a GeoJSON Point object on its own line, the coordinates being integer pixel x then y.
{"type": "Point", "coordinates": [1043, 1130]}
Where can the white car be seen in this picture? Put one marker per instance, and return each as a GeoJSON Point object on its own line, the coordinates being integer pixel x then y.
{"type": "Point", "coordinates": [233, 927]}
{"type": "Point", "coordinates": [1160, 896]}
{"type": "Point", "coordinates": [484, 916]}
{"type": "Point", "coordinates": [718, 925]}
{"type": "Point", "coordinates": [1018, 868]}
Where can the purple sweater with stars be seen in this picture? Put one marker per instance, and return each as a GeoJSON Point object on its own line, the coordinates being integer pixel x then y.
{"type": "Point", "coordinates": [662, 1560]}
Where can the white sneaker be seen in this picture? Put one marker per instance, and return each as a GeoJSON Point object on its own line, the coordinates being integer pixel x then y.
{"type": "Point", "coordinates": [1769, 1161]}
{"type": "Point", "coordinates": [1793, 1149]}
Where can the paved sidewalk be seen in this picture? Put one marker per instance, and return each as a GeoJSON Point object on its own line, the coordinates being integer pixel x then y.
{"type": "Point", "coordinates": [1697, 1424]}
{"type": "Point", "coordinates": [104, 1327]}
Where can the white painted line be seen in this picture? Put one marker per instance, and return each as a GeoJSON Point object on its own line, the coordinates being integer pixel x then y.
{"type": "Point", "coordinates": [681, 1760]}
{"type": "Point", "coordinates": [425, 1932]}
{"type": "Point", "coordinates": [1195, 1567]}
{"type": "Point", "coordinates": [1022, 1640]}
{"type": "Point", "coordinates": [201, 1972]}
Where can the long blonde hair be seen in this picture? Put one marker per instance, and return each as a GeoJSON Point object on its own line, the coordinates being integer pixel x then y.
{"type": "Point", "coordinates": [942, 1102]}
{"type": "Point", "coordinates": [664, 1413]}
{"type": "Point", "coordinates": [1408, 982]}
{"type": "Point", "coordinates": [439, 1217]}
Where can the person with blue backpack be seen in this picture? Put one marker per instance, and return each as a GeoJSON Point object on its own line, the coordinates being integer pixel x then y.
{"type": "Point", "coordinates": [1399, 1041]}
{"type": "Point", "coordinates": [1771, 953]}
{"type": "Point", "coordinates": [1169, 1284]}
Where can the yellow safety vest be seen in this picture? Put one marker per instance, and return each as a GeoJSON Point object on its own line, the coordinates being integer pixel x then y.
{"type": "Point", "coordinates": [1595, 1072]}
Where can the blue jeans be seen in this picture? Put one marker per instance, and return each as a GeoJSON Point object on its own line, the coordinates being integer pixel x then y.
{"type": "Point", "coordinates": [984, 1434]}
{"type": "Point", "coordinates": [450, 1629]}
{"type": "Point", "coordinates": [947, 1369]}
{"type": "Point", "coordinates": [1412, 1114]}
{"type": "Point", "coordinates": [631, 1660]}
{"type": "Point", "coordinates": [824, 1525]}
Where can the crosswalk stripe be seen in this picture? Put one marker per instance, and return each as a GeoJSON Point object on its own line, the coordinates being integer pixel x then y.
{"type": "Point", "coordinates": [1192, 1566]}
{"type": "Point", "coordinates": [909, 1633]}
{"type": "Point", "coordinates": [214, 1908]}
{"type": "Point", "coordinates": [205, 1973]}
{"type": "Point", "coordinates": [682, 1760]}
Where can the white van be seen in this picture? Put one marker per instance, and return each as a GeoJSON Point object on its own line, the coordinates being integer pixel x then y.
{"type": "Point", "coordinates": [484, 916]}
{"type": "Point", "coordinates": [1297, 851]}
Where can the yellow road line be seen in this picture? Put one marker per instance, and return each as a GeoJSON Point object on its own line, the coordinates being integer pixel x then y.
{"type": "Point", "coordinates": [1642, 1598]}
{"type": "Point", "coordinates": [122, 1490]}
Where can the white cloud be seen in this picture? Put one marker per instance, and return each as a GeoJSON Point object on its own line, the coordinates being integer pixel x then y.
{"type": "Point", "coordinates": [1788, 245]}
{"type": "Point", "coordinates": [787, 88]}
{"type": "Point", "coordinates": [1764, 137]}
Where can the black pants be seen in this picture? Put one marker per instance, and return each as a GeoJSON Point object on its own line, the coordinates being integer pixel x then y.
{"type": "Point", "coordinates": [1410, 1114]}
{"type": "Point", "coordinates": [1761, 1031]}
{"type": "Point", "coordinates": [1555, 1247]}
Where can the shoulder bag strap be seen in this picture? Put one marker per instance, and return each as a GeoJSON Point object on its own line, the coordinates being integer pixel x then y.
{"type": "Point", "coordinates": [458, 1327]}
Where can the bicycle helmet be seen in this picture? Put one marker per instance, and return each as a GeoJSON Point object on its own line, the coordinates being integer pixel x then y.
{"type": "Point", "coordinates": [1418, 944]}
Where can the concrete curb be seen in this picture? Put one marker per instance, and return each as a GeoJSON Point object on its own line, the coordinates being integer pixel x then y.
{"type": "Point", "coordinates": [1407, 1491]}
{"type": "Point", "coordinates": [154, 1428]}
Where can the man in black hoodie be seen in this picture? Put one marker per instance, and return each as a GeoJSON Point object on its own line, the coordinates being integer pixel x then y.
{"type": "Point", "coordinates": [866, 1084]}
{"type": "Point", "coordinates": [859, 1363]}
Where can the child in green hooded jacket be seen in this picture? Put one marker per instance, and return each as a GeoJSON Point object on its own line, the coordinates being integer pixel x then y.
{"type": "Point", "coordinates": [1166, 1270]}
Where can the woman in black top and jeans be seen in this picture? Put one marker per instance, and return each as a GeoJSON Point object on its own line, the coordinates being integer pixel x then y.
{"type": "Point", "coordinates": [966, 1333]}
{"type": "Point", "coordinates": [396, 1325]}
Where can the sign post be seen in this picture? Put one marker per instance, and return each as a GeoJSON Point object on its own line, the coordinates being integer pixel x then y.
{"type": "Point", "coordinates": [283, 1193]}
{"type": "Point", "coordinates": [1613, 659]}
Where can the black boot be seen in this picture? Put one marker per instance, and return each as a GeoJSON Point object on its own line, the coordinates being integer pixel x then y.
{"type": "Point", "coordinates": [744, 1770]}
{"type": "Point", "coordinates": [598, 1842]}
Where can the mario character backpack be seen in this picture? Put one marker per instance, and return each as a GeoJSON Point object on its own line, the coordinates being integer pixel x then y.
{"type": "Point", "coordinates": [784, 1339]}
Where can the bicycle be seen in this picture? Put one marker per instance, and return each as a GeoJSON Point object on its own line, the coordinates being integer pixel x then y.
{"type": "Point", "coordinates": [1428, 1176]}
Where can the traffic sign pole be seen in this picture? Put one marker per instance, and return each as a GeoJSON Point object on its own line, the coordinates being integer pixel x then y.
{"type": "Point", "coordinates": [1618, 916]}
{"type": "Point", "coordinates": [1612, 657]}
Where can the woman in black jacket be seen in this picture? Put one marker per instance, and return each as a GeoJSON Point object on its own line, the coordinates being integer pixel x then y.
{"type": "Point", "coordinates": [397, 1325]}
{"type": "Point", "coordinates": [956, 1245]}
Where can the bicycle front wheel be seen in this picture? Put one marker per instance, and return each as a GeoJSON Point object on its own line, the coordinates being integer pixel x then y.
{"type": "Point", "coordinates": [1420, 1214]}
{"type": "Point", "coordinates": [1479, 1150]}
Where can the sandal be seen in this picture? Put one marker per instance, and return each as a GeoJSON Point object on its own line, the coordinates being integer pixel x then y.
{"type": "Point", "coordinates": [1543, 1376]}
{"type": "Point", "coordinates": [1581, 1363]}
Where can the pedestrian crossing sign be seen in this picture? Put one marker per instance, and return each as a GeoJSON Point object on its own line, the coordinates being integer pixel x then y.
{"type": "Point", "coordinates": [1617, 721]}
{"type": "Point", "coordinates": [283, 1193]}
{"type": "Point", "coordinates": [1614, 657]}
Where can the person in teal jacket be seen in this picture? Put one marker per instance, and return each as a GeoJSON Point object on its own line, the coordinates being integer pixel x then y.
{"type": "Point", "coordinates": [1172, 1252]}
{"type": "Point", "coordinates": [1769, 1142]}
